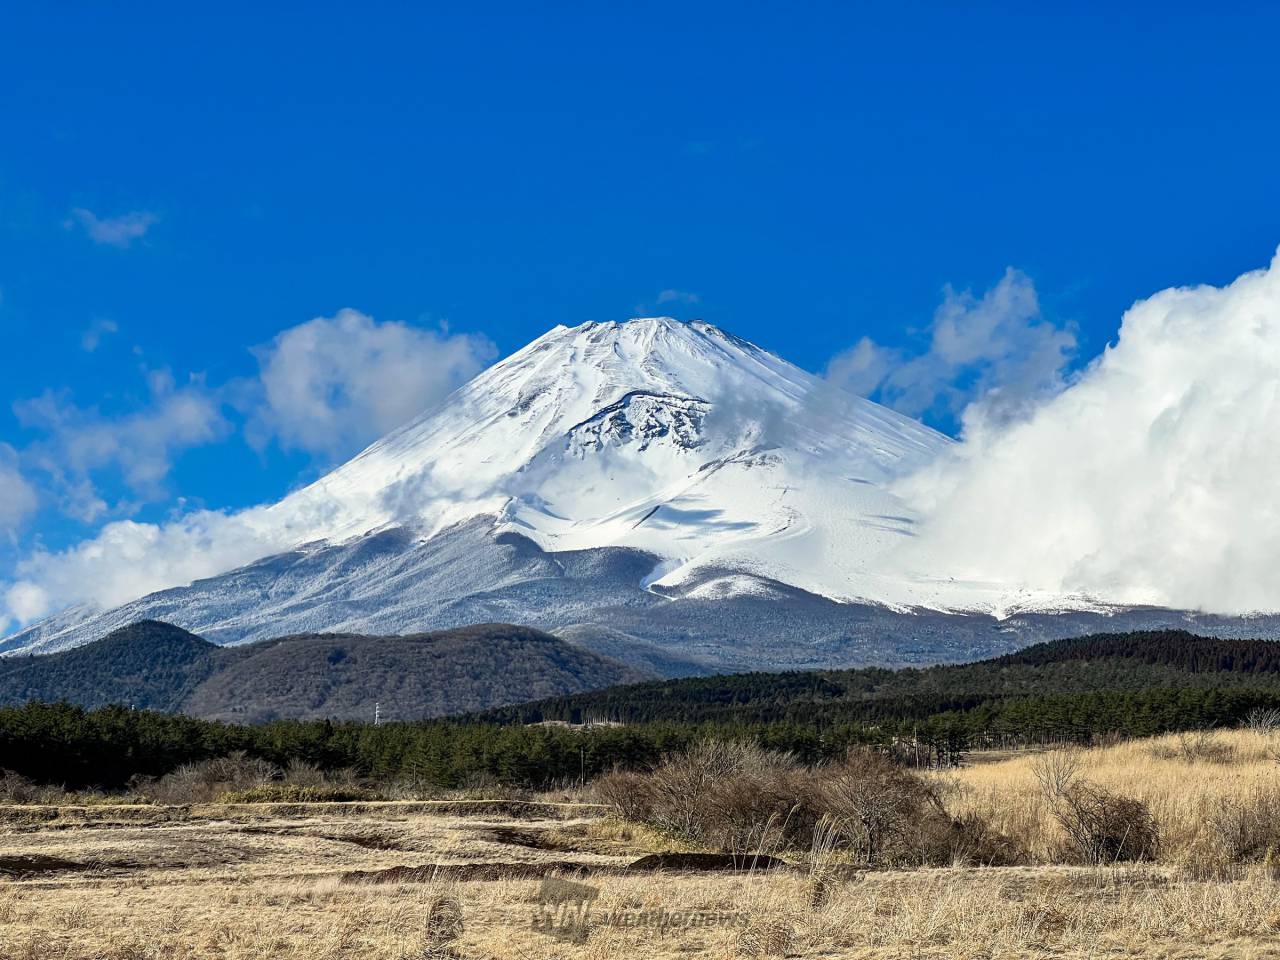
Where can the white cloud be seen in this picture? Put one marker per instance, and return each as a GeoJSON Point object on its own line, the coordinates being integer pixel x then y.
{"type": "Point", "coordinates": [91, 339]}
{"type": "Point", "coordinates": [17, 497]}
{"type": "Point", "coordinates": [993, 357]}
{"type": "Point", "coordinates": [1151, 479]}
{"type": "Point", "coordinates": [127, 560]}
{"type": "Point", "coordinates": [862, 368]}
{"type": "Point", "coordinates": [141, 444]}
{"type": "Point", "coordinates": [677, 296]}
{"type": "Point", "coordinates": [119, 231]}
{"type": "Point", "coordinates": [25, 601]}
{"type": "Point", "coordinates": [334, 384]}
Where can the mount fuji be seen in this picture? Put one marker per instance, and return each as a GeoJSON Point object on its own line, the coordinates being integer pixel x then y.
{"type": "Point", "coordinates": [659, 491]}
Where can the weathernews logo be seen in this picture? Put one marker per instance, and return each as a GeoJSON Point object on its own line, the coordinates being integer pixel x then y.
{"type": "Point", "coordinates": [565, 911]}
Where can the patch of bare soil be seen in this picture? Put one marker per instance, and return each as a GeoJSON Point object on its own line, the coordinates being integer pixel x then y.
{"type": "Point", "coordinates": [706, 862]}
{"type": "Point", "coordinates": [37, 865]}
{"type": "Point", "coordinates": [513, 836]}
{"type": "Point", "coordinates": [369, 841]}
{"type": "Point", "coordinates": [434, 872]}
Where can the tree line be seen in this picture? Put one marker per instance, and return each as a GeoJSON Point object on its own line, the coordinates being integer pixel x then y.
{"type": "Point", "coordinates": [110, 747]}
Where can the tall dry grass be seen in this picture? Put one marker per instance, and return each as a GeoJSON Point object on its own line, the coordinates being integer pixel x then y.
{"type": "Point", "coordinates": [1213, 797]}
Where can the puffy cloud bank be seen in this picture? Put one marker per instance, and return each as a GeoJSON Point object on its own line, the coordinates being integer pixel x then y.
{"type": "Point", "coordinates": [127, 560]}
{"type": "Point", "coordinates": [1153, 478]}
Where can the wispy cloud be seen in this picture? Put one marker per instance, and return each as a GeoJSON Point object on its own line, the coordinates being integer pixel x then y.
{"type": "Point", "coordinates": [120, 231]}
{"type": "Point", "coordinates": [992, 356]}
{"type": "Point", "coordinates": [327, 386]}
{"type": "Point", "coordinates": [17, 496]}
{"type": "Point", "coordinates": [80, 442]}
{"type": "Point", "coordinates": [677, 296]}
{"type": "Point", "coordinates": [91, 339]}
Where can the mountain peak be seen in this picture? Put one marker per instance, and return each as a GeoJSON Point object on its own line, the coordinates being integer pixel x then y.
{"type": "Point", "coordinates": [635, 322]}
{"type": "Point", "coordinates": [648, 334]}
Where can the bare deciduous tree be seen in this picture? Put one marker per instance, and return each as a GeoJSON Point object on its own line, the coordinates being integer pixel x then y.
{"type": "Point", "coordinates": [1056, 771]}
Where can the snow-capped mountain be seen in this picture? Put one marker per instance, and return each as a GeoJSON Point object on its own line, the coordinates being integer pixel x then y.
{"type": "Point", "coordinates": [650, 481]}
{"type": "Point", "coordinates": [672, 438]}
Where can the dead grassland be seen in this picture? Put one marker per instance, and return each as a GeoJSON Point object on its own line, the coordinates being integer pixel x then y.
{"type": "Point", "coordinates": [414, 881]}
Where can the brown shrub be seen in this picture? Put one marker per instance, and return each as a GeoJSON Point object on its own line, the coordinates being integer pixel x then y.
{"type": "Point", "coordinates": [1195, 746]}
{"type": "Point", "coordinates": [1104, 827]}
{"type": "Point", "coordinates": [732, 796]}
{"type": "Point", "coordinates": [720, 793]}
{"type": "Point", "coordinates": [304, 774]}
{"type": "Point", "coordinates": [762, 806]}
{"type": "Point", "coordinates": [15, 788]}
{"type": "Point", "coordinates": [970, 840]}
{"type": "Point", "coordinates": [880, 809]}
{"type": "Point", "coordinates": [738, 799]}
{"type": "Point", "coordinates": [628, 793]}
{"type": "Point", "coordinates": [206, 781]}
{"type": "Point", "coordinates": [680, 784]}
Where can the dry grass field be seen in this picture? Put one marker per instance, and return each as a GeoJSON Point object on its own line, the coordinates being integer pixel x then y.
{"type": "Point", "coordinates": [1205, 791]}
{"type": "Point", "coordinates": [402, 881]}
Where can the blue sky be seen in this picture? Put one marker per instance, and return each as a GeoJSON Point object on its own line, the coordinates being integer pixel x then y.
{"type": "Point", "coordinates": [178, 188]}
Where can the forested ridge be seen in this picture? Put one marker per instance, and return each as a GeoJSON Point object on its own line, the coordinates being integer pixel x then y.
{"type": "Point", "coordinates": [1107, 662]}
{"type": "Point", "coordinates": [1077, 690]}
{"type": "Point", "coordinates": [157, 666]}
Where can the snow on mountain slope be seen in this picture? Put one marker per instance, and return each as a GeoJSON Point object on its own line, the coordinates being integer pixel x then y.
{"type": "Point", "coordinates": [719, 469]}
{"type": "Point", "coordinates": [676, 439]}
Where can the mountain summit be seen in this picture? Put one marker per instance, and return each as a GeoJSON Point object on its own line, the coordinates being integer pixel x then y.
{"type": "Point", "coordinates": [663, 492]}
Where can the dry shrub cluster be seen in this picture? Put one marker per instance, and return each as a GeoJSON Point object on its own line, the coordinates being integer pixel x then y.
{"type": "Point", "coordinates": [1241, 830]}
{"type": "Point", "coordinates": [236, 778]}
{"type": "Point", "coordinates": [242, 779]}
{"type": "Point", "coordinates": [1100, 826]}
{"type": "Point", "coordinates": [1195, 746]}
{"type": "Point", "coordinates": [740, 798]}
{"type": "Point", "coordinates": [15, 788]}
{"type": "Point", "coordinates": [1103, 827]}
